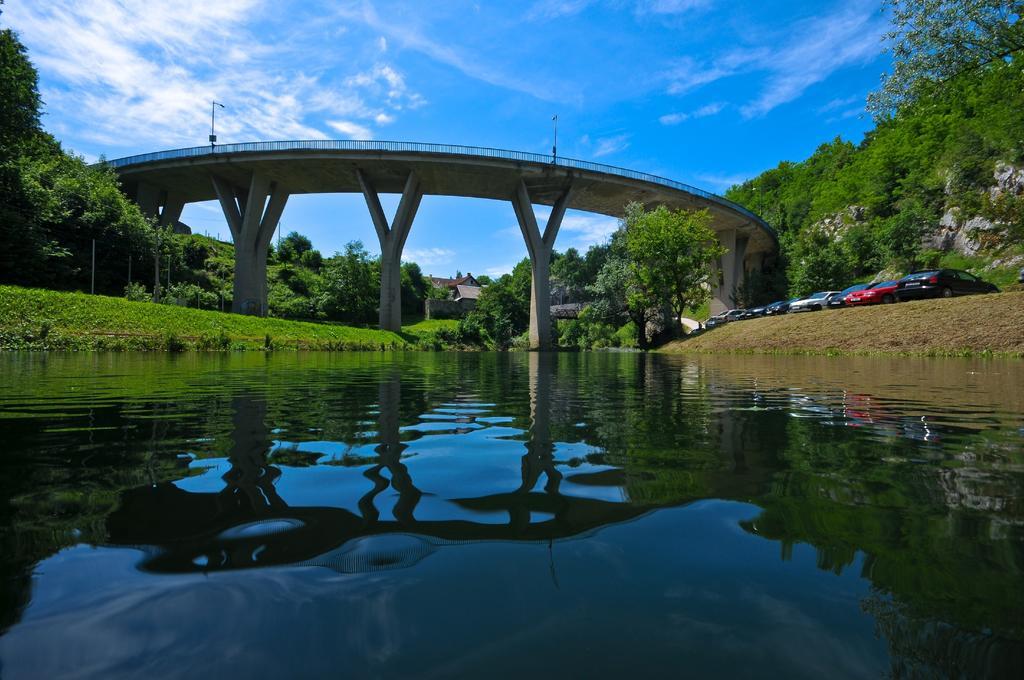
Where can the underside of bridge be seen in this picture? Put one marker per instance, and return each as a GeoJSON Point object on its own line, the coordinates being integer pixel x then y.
{"type": "Point", "coordinates": [253, 183]}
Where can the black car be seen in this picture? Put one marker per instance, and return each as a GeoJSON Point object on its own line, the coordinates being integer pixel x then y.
{"type": "Point", "coordinates": [941, 283]}
{"type": "Point", "coordinates": [779, 307]}
{"type": "Point", "coordinates": [840, 300]}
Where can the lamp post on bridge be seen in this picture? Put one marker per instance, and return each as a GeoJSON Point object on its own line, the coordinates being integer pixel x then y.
{"type": "Point", "coordinates": [554, 145]}
{"type": "Point", "coordinates": [213, 122]}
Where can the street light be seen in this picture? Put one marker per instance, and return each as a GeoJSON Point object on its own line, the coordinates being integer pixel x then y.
{"type": "Point", "coordinates": [554, 145]}
{"type": "Point", "coordinates": [213, 122]}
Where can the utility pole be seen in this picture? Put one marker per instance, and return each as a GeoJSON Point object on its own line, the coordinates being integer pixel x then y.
{"type": "Point", "coordinates": [93, 284]}
{"type": "Point", "coordinates": [554, 145]}
{"type": "Point", "coordinates": [156, 269]}
{"type": "Point", "coordinates": [213, 122]}
{"type": "Point", "coordinates": [129, 268]}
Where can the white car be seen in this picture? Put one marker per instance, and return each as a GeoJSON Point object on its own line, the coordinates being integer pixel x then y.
{"type": "Point", "coordinates": [814, 302]}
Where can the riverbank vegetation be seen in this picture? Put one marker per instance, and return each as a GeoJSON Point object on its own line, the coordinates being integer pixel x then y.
{"type": "Point", "coordinates": [35, 319]}
{"type": "Point", "coordinates": [965, 326]}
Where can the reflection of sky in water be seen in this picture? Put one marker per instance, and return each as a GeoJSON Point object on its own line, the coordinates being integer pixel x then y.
{"type": "Point", "coordinates": [727, 512]}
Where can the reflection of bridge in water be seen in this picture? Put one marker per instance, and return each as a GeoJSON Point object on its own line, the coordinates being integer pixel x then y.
{"type": "Point", "coordinates": [248, 524]}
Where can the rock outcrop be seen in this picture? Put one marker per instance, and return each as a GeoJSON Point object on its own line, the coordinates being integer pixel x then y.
{"type": "Point", "coordinates": [967, 236]}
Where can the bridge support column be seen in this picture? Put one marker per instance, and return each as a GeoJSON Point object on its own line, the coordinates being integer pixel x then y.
{"type": "Point", "coordinates": [252, 215]}
{"type": "Point", "coordinates": [724, 279]}
{"type": "Point", "coordinates": [166, 206]}
{"type": "Point", "coordinates": [539, 247]}
{"type": "Point", "coordinates": [392, 241]}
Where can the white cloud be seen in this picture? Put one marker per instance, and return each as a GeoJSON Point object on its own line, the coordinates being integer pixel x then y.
{"type": "Point", "coordinates": [428, 257]}
{"type": "Point", "coordinates": [671, 6]}
{"type": "Point", "coordinates": [687, 74]}
{"type": "Point", "coordinates": [720, 182]}
{"type": "Point", "coordinates": [823, 46]}
{"type": "Point", "coordinates": [702, 112]}
{"type": "Point", "coordinates": [583, 231]}
{"type": "Point", "coordinates": [816, 48]}
{"type": "Point", "coordinates": [554, 9]}
{"type": "Point", "coordinates": [350, 129]}
{"type": "Point", "coordinates": [839, 103]}
{"type": "Point", "coordinates": [142, 74]}
{"type": "Point", "coordinates": [473, 66]}
{"type": "Point", "coordinates": [605, 146]}
{"type": "Point", "coordinates": [500, 270]}
{"type": "Point", "coordinates": [578, 230]}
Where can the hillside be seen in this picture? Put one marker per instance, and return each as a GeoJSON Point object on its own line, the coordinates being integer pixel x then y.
{"type": "Point", "coordinates": [941, 183]}
{"type": "Point", "coordinates": [37, 319]}
{"type": "Point", "coordinates": [958, 326]}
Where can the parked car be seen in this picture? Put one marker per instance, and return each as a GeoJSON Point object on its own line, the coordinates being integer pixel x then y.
{"type": "Point", "coordinates": [716, 320]}
{"type": "Point", "coordinates": [814, 302]}
{"type": "Point", "coordinates": [840, 300]}
{"type": "Point", "coordinates": [779, 307]}
{"type": "Point", "coordinates": [754, 313]}
{"type": "Point", "coordinates": [735, 314]}
{"type": "Point", "coordinates": [882, 292]}
{"type": "Point", "coordinates": [941, 283]}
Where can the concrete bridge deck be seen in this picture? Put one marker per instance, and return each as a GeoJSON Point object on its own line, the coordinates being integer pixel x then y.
{"type": "Point", "coordinates": [252, 181]}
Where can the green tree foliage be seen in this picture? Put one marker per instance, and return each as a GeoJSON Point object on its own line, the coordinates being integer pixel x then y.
{"type": "Point", "coordinates": [819, 262]}
{"type": "Point", "coordinates": [503, 310]}
{"type": "Point", "coordinates": [934, 41]}
{"type": "Point", "coordinates": [938, 152]}
{"type": "Point", "coordinates": [350, 286]}
{"type": "Point", "coordinates": [415, 288]}
{"type": "Point", "coordinates": [671, 253]}
{"type": "Point", "coordinates": [20, 102]}
{"type": "Point", "coordinates": [52, 205]}
{"type": "Point", "coordinates": [293, 247]}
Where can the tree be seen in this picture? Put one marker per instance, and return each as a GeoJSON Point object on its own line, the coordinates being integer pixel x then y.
{"type": "Point", "coordinates": [349, 288]}
{"type": "Point", "coordinates": [503, 310]}
{"type": "Point", "coordinates": [20, 102]}
{"type": "Point", "coordinates": [934, 41]}
{"type": "Point", "coordinates": [415, 288]}
{"type": "Point", "coordinates": [901, 235]}
{"type": "Point", "coordinates": [616, 295]}
{"type": "Point", "coordinates": [569, 271]}
{"type": "Point", "coordinates": [671, 253]}
{"type": "Point", "coordinates": [817, 263]}
{"type": "Point", "coordinates": [293, 247]}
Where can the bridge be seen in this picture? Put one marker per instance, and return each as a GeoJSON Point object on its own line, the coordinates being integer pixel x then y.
{"type": "Point", "coordinates": [253, 181]}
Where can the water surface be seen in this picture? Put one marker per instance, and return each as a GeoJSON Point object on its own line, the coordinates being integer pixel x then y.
{"type": "Point", "coordinates": [303, 515]}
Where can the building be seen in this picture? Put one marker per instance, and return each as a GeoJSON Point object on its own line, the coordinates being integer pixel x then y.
{"type": "Point", "coordinates": [463, 294]}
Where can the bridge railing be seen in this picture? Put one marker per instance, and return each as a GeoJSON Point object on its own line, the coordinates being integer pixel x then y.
{"type": "Point", "coordinates": [421, 147]}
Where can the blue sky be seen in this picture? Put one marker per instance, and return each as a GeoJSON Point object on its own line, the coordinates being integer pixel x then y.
{"type": "Point", "coordinates": [707, 92]}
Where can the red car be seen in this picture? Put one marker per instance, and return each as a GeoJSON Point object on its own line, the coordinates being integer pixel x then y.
{"type": "Point", "coordinates": [883, 292]}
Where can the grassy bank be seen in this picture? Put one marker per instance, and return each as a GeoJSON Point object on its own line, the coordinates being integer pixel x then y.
{"type": "Point", "coordinates": [44, 319]}
{"type": "Point", "coordinates": [976, 325]}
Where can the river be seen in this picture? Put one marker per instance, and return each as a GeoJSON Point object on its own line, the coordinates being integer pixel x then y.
{"type": "Point", "coordinates": [553, 515]}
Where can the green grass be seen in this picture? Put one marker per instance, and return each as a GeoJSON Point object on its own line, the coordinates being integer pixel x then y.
{"type": "Point", "coordinates": [430, 326]}
{"type": "Point", "coordinates": [44, 319]}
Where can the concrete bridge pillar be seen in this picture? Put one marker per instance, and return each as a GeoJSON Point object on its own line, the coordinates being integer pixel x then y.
{"type": "Point", "coordinates": [732, 267]}
{"type": "Point", "coordinates": [252, 214]}
{"type": "Point", "coordinates": [165, 206]}
{"type": "Point", "coordinates": [392, 241]}
{"type": "Point", "coordinates": [539, 247]}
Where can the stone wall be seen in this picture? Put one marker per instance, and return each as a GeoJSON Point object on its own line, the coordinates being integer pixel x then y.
{"type": "Point", "coordinates": [448, 309]}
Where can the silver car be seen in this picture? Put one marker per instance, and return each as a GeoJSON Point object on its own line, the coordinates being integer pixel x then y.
{"type": "Point", "coordinates": [814, 302]}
